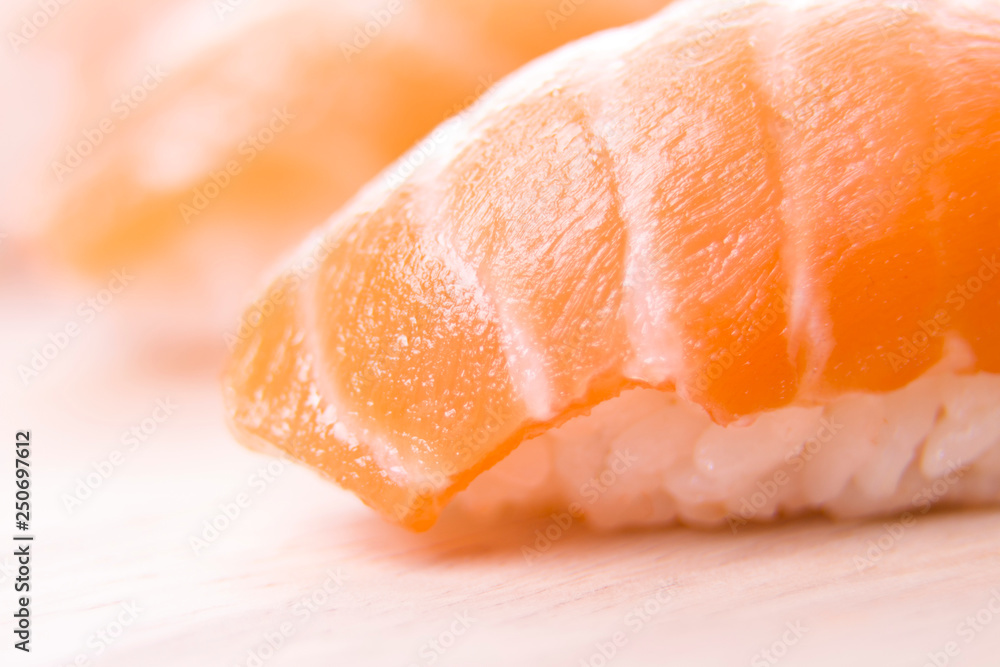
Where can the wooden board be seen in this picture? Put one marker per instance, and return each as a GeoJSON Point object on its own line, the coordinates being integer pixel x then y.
{"type": "Point", "coordinates": [381, 596]}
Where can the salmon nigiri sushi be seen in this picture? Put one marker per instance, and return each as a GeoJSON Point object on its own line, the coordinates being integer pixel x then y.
{"type": "Point", "coordinates": [735, 262]}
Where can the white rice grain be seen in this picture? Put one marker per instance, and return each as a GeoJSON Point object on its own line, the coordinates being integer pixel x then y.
{"type": "Point", "coordinates": [649, 457]}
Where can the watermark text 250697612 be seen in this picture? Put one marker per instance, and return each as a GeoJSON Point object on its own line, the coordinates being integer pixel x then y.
{"type": "Point", "coordinates": [22, 541]}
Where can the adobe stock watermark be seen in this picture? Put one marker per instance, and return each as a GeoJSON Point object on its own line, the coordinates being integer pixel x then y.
{"type": "Point", "coordinates": [921, 502]}
{"type": "Point", "coordinates": [901, 15]}
{"type": "Point", "coordinates": [435, 647]}
{"type": "Point", "coordinates": [966, 632]}
{"type": "Point", "coordinates": [32, 24]}
{"type": "Point", "coordinates": [229, 512]}
{"type": "Point", "coordinates": [88, 310]}
{"type": "Point", "coordinates": [591, 490]}
{"type": "Point", "coordinates": [302, 610]}
{"type": "Point", "coordinates": [94, 136]}
{"type": "Point", "coordinates": [247, 150]}
{"type": "Point", "coordinates": [560, 13]}
{"type": "Point", "coordinates": [955, 301]}
{"type": "Point", "coordinates": [102, 639]}
{"type": "Point", "coordinates": [370, 30]}
{"type": "Point", "coordinates": [634, 622]}
{"type": "Point", "coordinates": [7, 570]}
{"type": "Point", "coordinates": [455, 118]}
{"type": "Point", "coordinates": [697, 48]}
{"type": "Point", "coordinates": [879, 205]}
{"type": "Point", "coordinates": [467, 447]}
{"type": "Point", "coordinates": [301, 269]}
{"type": "Point", "coordinates": [224, 7]}
{"type": "Point", "coordinates": [131, 440]}
{"type": "Point", "coordinates": [722, 360]}
{"type": "Point", "coordinates": [779, 648]}
{"type": "Point", "coordinates": [795, 461]}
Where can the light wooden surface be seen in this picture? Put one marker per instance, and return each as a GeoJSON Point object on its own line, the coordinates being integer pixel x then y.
{"type": "Point", "coordinates": [723, 598]}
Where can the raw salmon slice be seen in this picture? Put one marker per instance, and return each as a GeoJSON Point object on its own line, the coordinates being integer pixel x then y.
{"type": "Point", "coordinates": [712, 237]}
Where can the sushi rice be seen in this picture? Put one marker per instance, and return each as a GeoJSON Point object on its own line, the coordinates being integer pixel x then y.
{"type": "Point", "coordinates": [650, 457]}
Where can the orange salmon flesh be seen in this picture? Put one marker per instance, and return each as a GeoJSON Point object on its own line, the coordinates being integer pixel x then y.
{"type": "Point", "coordinates": [747, 205]}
